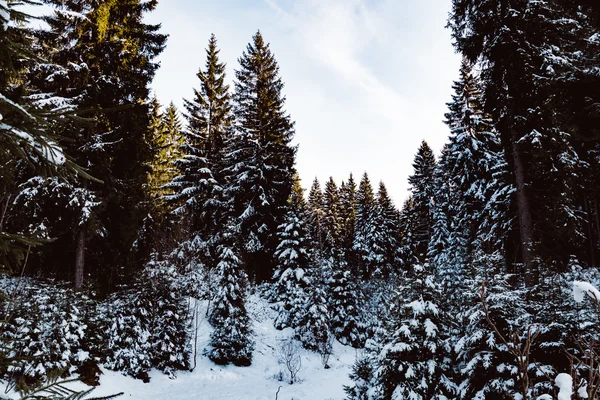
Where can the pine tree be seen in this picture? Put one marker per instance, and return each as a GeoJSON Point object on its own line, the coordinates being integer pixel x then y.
{"type": "Point", "coordinates": [362, 376]}
{"type": "Point", "coordinates": [364, 228]}
{"type": "Point", "coordinates": [331, 217]}
{"type": "Point", "coordinates": [198, 188]}
{"type": "Point", "coordinates": [529, 89]}
{"type": "Point", "coordinates": [418, 233]}
{"type": "Point", "coordinates": [464, 178]}
{"type": "Point", "coordinates": [209, 118]}
{"type": "Point", "coordinates": [348, 212]}
{"type": "Point", "coordinates": [313, 327]}
{"type": "Point", "coordinates": [260, 159]}
{"type": "Point", "coordinates": [290, 289]}
{"type": "Point", "coordinates": [387, 235]}
{"type": "Point", "coordinates": [29, 146]}
{"type": "Point", "coordinates": [345, 303]}
{"type": "Point", "coordinates": [209, 114]}
{"type": "Point", "coordinates": [413, 362]}
{"type": "Point", "coordinates": [167, 139]}
{"type": "Point", "coordinates": [230, 341]}
{"type": "Point", "coordinates": [316, 216]}
{"type": "Point", "coordinates": [101, 60]}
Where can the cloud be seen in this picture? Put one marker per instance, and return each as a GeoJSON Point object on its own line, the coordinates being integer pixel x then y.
{"type": "Point", "coordinates": [336, 33]}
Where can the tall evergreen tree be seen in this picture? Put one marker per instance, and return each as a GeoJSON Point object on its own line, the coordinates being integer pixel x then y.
{"type": "Point", "coordinates": [292, 282]}
{"type": "Point", "coordinates": [198, 187]}
{"type": "Point", "coordinates": [260, 159]}
{"type": "Point", "coordinates": [364, 227]}
{"type": "Point", "coordinates": [422, 186]}
{"type": "Point", "coordinates": [101, 58]}
{"type": "Point", "coordinates": [316, 215]}
{"type": "Point", "coordinates": [167, 139]}
{"type": "Point", "coordinates": [331, 217]}
{"type": "Point", "coordinates": [387, 234]}
{"type": "Point", "coordinates": [348, 211]}
{"type": "Point", "coordinates": [533, 77]}
{"type": "Point", "coordinates": [29, 146]}
{"type": "Point", "coordinates": [466, 177]}
{"type": "Point", "coordinates": [348, 220]}
{"type": "Point", "coordinates": [209, 114]}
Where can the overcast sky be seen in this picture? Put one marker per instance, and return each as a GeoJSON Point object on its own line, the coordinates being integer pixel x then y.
{"type": "Point", "coordinates": [365, 80]}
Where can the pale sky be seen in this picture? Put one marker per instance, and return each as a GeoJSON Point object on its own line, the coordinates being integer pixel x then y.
{"type": "Point", "coordinates": [365, 80]}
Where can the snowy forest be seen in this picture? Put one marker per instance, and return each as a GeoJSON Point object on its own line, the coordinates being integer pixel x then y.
{"type": "Point", "coordinates": [140, 238]}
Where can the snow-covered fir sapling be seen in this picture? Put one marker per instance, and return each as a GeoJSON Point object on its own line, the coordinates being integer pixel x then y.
{"type": "Point", "coordinates": [230, 340]}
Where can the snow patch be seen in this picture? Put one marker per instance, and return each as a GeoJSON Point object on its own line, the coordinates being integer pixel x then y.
{"type": "Point", "coordinates": [580, 289]}
{"type": "Point", "coordinates": [4, 14]}
{"type": "Point", "coordinates": [564, 382]}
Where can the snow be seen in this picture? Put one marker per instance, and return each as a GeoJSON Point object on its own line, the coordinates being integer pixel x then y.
{"type": "Point", "coordinates": [564, 382]}
{"type": "Point", "coordinates": [580, 289]}
{"type": "Point", "coordinates": [4, 14]}
{"type": "Point", "coordinates": [257, 382]}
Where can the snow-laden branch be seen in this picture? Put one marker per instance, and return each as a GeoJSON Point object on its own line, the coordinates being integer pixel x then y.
{"type": "Point", "coordinates": [580, 289]}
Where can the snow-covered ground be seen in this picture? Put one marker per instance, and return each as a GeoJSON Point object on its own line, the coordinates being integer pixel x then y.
{"type": "Point", "coordinates": [257, 382]}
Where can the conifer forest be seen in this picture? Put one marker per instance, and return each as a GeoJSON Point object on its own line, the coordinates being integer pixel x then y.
{"type": "Point", "coordinates": [147, 248]}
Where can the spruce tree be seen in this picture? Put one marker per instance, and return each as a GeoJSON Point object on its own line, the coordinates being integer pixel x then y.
{"type": "Point", "coordinates": [167, 139]}
{"type": "Point", "coordinates": [364, 227]}
{"type": "Point", "coordinates": [197, 195]}
{"type": "Point", "coordinates": [316, 216]}
{"type": "Point", "coordinates": [30, 147]}
{"type": "Point", "coordinates": [532, 71]}
{"type": "Point", "coordinates": [230, 341]}
{"type": "Point", "coordinates": [260, 158]}
{"type": "Point", "coordinates": [418, 233]}
{"type": "Point", "coordinates": [348, 220]}
{"type": "Point", "coordinates": [331, 217]}
{"type": "Point", "coordinates": [313, 327]}
{"type": "Point", "coordinates": [414, 358]}
{"type": "Point", "coordinates": [464, 182]}
{"type": "Point", "coordinates": [345, 302]}
{"type": "Point", "coordinates": [209, 114]}
{"type": "Point", "coordinates": [101, 59]}
{"type": "Point", "coordinates": [292, 282]}
{"type": "Point", "coordinates": [387, 235]}
{"type": "Point", "coordinates": [198, 188]}
{"type": "Point", "coordinates": [348, 211]}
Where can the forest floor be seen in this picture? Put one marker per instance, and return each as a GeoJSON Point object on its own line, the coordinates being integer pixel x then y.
{"type": "Point", "coordinates": [257, 382]}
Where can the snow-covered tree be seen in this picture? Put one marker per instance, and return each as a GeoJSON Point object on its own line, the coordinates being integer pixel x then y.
{"type": "Point", "coordinates": [331, 217]}
{"type": "Point", "coordinates": [364, 227]}
{"type": "Point", "coordinates": [316, 215]}
{"type": "Point", "coordinates": [418, 233]}
{"type": "Point", "coordinates": [414, 358]}
{"type": "Point", "coordinates": [290, 289]}
{"type": "Point", "coordinates": [344, 303]}
{"type": "Point", "coordinates": [230, 341]}
{"type": "Point", "coordinates": [259, 160]}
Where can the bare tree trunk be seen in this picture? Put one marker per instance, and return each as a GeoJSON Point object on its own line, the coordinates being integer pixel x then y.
{"type": "Point", "coordinates": [80, 258]}
{"type": "Point", "coordinates": [524, 211]}
{"type": "Point", "coordinates": [3, 212]}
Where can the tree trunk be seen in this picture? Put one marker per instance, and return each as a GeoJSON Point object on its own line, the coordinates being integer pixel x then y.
{"type": "Point", "coordinates": [524, 212]}
{"type": "Point", "coordinates": [80, 258]}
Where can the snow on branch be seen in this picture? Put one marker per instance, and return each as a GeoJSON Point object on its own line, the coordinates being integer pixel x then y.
{"type": "Point", "coordinates": [580, 289]}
